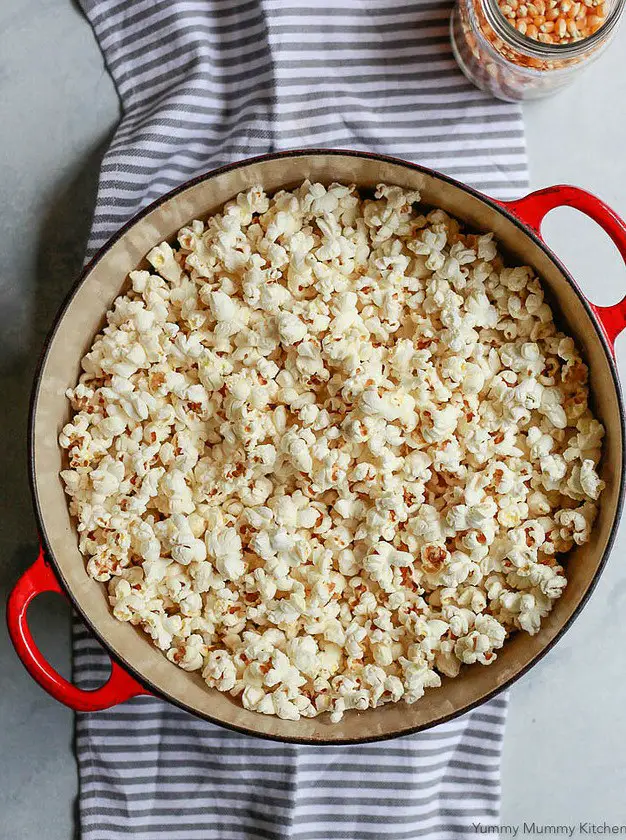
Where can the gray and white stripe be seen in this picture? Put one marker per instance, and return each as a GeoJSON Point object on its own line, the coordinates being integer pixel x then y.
{"type": "Point", "coordinates": [204, 83]}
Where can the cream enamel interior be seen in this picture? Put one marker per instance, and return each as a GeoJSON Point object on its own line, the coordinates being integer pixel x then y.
{"type": "Point", "coordinates": [84, 317]}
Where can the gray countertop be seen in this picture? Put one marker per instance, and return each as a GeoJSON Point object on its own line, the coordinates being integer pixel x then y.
{"type": "Point", "coordinates": [58, 108]}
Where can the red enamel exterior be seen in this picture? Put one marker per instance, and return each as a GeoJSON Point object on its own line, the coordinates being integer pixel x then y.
{"type": "Point", "coordinates": [532, 209]}
{"type": "Point", "coordinates": [119, 687]}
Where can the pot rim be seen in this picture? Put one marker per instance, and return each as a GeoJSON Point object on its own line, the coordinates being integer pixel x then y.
{"type": "Point", "coordinates": [101, 253]}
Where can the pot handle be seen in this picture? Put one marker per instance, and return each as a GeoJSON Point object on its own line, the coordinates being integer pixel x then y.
{"type": "Point", "coordinates": [119, 687]}
{"type": "Point", "coordinates": [532, 209]}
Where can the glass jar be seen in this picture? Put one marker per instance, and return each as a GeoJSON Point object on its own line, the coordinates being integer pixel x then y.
{"type": "Point", "coordinates": [497, 58]}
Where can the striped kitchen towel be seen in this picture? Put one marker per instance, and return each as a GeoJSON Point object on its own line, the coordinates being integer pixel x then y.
{"type": "Point", "coordinates": [203, 83]}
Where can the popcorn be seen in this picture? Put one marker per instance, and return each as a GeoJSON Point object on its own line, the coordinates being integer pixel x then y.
{"type": "Point", "coordinates": [224, 548]}
{"type": "Point", "coordinates": [222, 307]}
{"type": "Point", "coordinates": [279, 704]}
{"type": "Point", "coordinates": [591, 484]}
{"type": "Point", "coordinates": [220, 670]}
{"type": "Point", "coordinates": [291, 329]}
{"type": "Point", "coordinates": [417, 677]}
{"type": "Point", "coordinates": [576, 524]}
{"type": "Point", "coordinates": [478, 645]}
{"type": "Point", "coordinates": [188, 654]}
{"type": "Point", "coordinates": [162, 258]}
{"type": "Point", "coordinates": [331, 450]}
{"type": "Point", "coordinates": [284, 674]}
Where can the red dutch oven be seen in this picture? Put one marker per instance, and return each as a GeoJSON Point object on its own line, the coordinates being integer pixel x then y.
{"type": "Point", "coordinates": [137, 666]}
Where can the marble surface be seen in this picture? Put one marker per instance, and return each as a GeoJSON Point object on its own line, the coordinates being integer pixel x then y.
{"type": "Point", "coordinates": [562, 762]}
